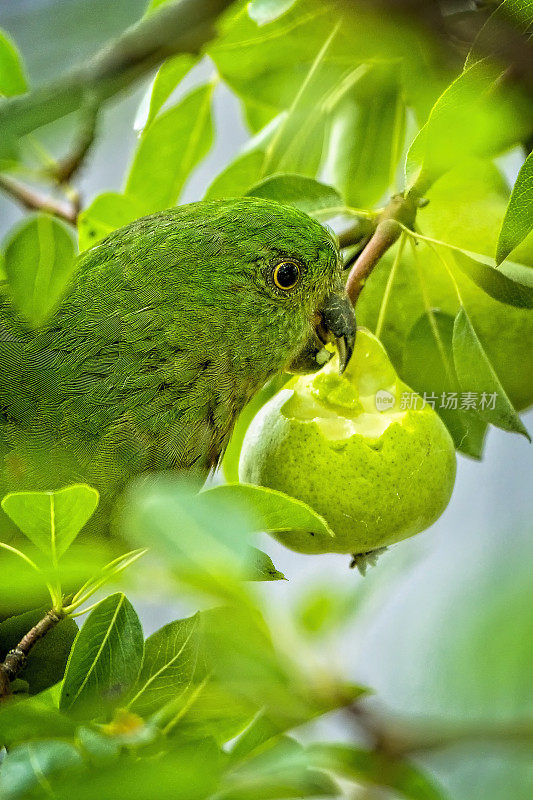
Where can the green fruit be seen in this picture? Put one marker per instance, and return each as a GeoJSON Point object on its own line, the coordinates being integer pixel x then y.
{"type": "Point", "coordinates": [466, 209]}
{"type": "Point", "coordinates": [376, 476]}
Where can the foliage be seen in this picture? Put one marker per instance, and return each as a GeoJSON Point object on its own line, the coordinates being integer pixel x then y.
{"type": "Point", "coordinates": [344, 106]}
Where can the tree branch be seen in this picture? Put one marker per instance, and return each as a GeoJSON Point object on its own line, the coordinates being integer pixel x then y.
{"type": "Point", "coordinates": [401, 209]}
{"type": "Point", "coordinates": [16, 659]}
{"type": "Point", "coordinates": [68, 166]}
{"type": "Point", "coordinates": [180, 27]}
{"type": "Point", "coordinates": [32, 200]}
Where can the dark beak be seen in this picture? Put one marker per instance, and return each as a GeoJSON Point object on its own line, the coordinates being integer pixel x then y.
{"type": "Point", "coordinates": [335, 322]}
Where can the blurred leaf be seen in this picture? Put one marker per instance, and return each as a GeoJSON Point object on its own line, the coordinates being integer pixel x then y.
{"type": "Point", "coordinates": [169, 75]}
{"type": "Point", "coordinates": [274, 720]}
{"type": "Point", "coordinates": [29, 719]}
{"type": "Point", "coordinates": [293, 131]}
{"type": "Point", "coordinates": [377, 769]}
{"type": "Point", "coordinates": [471, 117]}
{"type": "Point", "coordinates": [299, 191]}
{"type": "Point", "coordinates": [106, 213]}
{"type": "Point", "coordinates": [252, 59]}
{"type": "Point", "coordinates": [230, 463]}
{"type": "Point", "coordinates": [238, 176]}
{"type": "Point", "coordinates": [491, 39]}
{"type": "Point", "coordinates": [282, 770]}
{"type": "Point", "coordinates": [511, 283]}
{"type": "Point", "coordinates": [321, 610]}
{"type": "Point", "coordinates": [476, 374]}
{"type": "Point", "coordinates": [269, 510]}
{"type": "Point", "coordinates": [263, 11]}
{"type": "Point", "coordinates": [98, 748]}
{"type": "Point", "coordinates": [206, 544]}
{"type": "Point", "coordinates": [366, 139]}
{"type": "Point", "coordinates": [105, 660]}
{"type": "Point", "coordinates": [47, 659]}
{"type": "Point", "coordinates": [169, 666]}
{"type": "Point", "coordinates": [428, 368]}
{"type": "Point", "coordinates": [169, 149]}
{"type": "Point", "coordinates": [190, 772]}
{"type": "Point", "coordinates": [261, 568]}
{"type": "Point", "coordinates": [518, 220]}
{"type": "Point", "coordinates": [39, 260]}
{"type": "Point", "coordinates": [52, 520]}
{"type": "Point", "coordinates": [12, 76]}
{"type": "Point", "coordinates": [27, 767]}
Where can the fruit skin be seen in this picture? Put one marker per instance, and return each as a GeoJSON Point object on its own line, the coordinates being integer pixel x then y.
{"type": "Point", "coordinates": [373, 490]}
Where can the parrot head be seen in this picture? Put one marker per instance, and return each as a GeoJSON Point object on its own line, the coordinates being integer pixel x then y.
{"type": "Point", "coordinates": [280, 272]}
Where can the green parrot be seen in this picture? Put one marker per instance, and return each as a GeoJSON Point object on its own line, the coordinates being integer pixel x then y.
{"type": "Point", "coordinates": [171, 325]}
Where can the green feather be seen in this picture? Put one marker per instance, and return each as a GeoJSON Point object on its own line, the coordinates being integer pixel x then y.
{"type": "Point", "coordinates": [171, 325]}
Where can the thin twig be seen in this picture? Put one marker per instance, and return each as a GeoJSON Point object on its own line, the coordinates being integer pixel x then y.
{"type": "Point", "coordinates": [67, 167]}
{"type": "Point", "coordinates": [33, 200]}
{"type": "Point", "coordinates": [16, 659]}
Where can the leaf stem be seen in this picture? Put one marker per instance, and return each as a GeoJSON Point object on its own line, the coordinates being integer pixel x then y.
{"type": "Point", "coordinates": [388, 287]}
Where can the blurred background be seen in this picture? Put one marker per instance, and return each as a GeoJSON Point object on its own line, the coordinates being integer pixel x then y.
{"type": "Point", "coordinates": [442, 628]}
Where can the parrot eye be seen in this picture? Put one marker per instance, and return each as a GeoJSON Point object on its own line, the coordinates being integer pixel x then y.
{"type": "Point", "coordinates": [286, 275]}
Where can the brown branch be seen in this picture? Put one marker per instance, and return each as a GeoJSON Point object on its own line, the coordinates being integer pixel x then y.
{"type": "Point", "coordinates": [387, 231]}
{"type": "Point", "coordinates": [68, 166]}
{"type": "Point", "coordinates": [179, 27]}
{"type": "Point", "coordinates": [397, 738]}
{"type": "Point", "coordinates": [32, 200]}
{"type": "Point", "coordinates": [15, 660]}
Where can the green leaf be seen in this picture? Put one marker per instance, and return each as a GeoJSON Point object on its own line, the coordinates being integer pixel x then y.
{"type": "Point", "coordinates": [169, 150]}
{"type": "Point", "coordinates": [263, 11]}
{"type": "Point", "coordinates": [366, 139]}
{"type": "Point", "coordinates": [261, 567]}
{"type": "Point", "coordinates": [47, 659]}
{"type": "Point", "coordinates": [27, 767]}
{"type": "Point", "coordinates": [518, 220]}
{"type": "Point", "coordinates": [106, 213]}
{"type": "Point", "coordinates": [238, 176]}
{"type": "Point", "coordinates": [30, 719]}
{"type": "Point", "coordinates": [269, 510]}
{"type": "Point", "coordinates": [273, 721]}
{"type": "Point", "coordinates": [299, 191]}
{"type": "Point", "coordinates": [12, 75]}
{"type": "Point", "coordinates": [189, 772]}
{"type": "Point", "coordinates": [105, 660]}
{"type": "Point", "coordinates": [511, 284]}
{"type": "Point", "coordinates": [375, 768]}
{"type": "Point", "coordinates": [281, 770]}
{"type": "Point", "coordinates": [428, 368]}
{"type": "Point", "coordinates": [477, 375]}
{"type": "Point", "coordinates": [39, 260]}
{"type": "Point", "coordinates": [203, 539]}
{"type": "Point", "coordinates": [322, 609]}
{"type": "Point", "coordinates": [170, 661]}
{"type": "Point", "coordinates": [490, 41]}
{"type": "Point", "coordinates": [472, 117]}
{"type": "Point", "coordinates": [169, 75]}
{"type": "Point", "coordinates": [52, 520]}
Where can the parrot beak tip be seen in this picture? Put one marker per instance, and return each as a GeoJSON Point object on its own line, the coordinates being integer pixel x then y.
{"type": "Point", "coordinates": [338, 321]}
